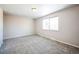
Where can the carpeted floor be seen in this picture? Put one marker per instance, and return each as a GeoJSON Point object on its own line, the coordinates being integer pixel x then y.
{"type": "Point", "coordinates": [35, 45]}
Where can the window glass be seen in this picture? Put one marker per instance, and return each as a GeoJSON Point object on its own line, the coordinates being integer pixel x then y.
{"type": "Point", "coordinates": [46, 24]}
{"type": "Point", "coordinates": [54, 23]}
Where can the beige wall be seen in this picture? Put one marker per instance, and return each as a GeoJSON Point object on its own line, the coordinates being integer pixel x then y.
{"type": "Point", "coordinates": [16, 26]}
{"type": "Point", "coordinates": [1, 26]}
{"type": "Point", "coordinates": [68, 27]}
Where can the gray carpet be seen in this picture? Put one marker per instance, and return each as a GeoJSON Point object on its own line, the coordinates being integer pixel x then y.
{"type": "Point", "coordinates": [35, 45]}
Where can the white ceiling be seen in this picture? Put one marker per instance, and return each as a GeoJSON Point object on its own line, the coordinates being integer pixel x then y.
{"type": "Point", "coordinates": [26, 9]}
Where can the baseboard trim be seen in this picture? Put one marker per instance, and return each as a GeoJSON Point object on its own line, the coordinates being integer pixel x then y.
{"type": "Point", "coordinates": [20, 36]}
{"type": "Point", "coordinates": [58, 40]}
{"type": "Point", "coordinates": [45, 37]}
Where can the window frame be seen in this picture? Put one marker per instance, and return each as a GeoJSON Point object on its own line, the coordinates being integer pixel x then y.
{"type": "Point", "coordinates": [50, 25]}
{"type": "Point", "coordinates": [49, 29]}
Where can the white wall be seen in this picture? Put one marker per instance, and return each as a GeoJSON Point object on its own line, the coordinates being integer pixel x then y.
{"type": "Point", "coordinates": [1, 27]}
{"type": "Point", "coordinates": [68, 26]}
{"type": "Point", "coordinates": [16, 26]}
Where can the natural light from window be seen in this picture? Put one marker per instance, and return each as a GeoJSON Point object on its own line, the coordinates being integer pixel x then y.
{"type": "Point", "coordinates": [51, 24]}
{"type": "Point", "coordinates": [46, 24]}
{"type": "Point", "coordinates": [54, 23]}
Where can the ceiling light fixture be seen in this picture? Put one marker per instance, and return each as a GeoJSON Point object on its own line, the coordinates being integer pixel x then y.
{"type": "Point", "coordinates": [33, 9]}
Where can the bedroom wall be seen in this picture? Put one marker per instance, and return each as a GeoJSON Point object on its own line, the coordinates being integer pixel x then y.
{"type": "Point", "coordinates": [16, 26]}
{"type": "Point", "coordinates": [68, 26]}
{"type": "Point", "coordinates": [1, 27]}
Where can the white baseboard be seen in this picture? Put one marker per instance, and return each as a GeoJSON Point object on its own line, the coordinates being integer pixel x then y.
{"type": "Point", "coordinates": [17, 36]}
{"type": "Point", "coordinates": [52, 38]}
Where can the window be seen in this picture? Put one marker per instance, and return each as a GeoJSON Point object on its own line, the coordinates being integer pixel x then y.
{"type": "Point", "coordinates": [54, 23]}
{"type": "Point", "coordinates": [50, 24]}
{"type": "Point", "coordinates": [46, 24]}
